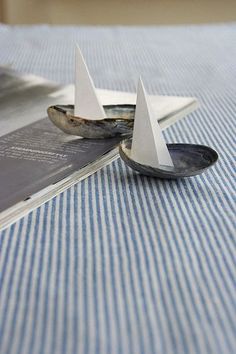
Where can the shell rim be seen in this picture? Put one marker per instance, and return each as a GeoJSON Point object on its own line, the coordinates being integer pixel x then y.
{"type": "Point", "coordinates": [162, 173]}
{"type": "Point", "coordinates": [62, 109]}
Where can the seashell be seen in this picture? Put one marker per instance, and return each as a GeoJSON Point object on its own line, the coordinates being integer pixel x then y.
{"type": "Point", "coordinates": [120, 121]}
{"type": "Point", "coordinates": [189, 160]}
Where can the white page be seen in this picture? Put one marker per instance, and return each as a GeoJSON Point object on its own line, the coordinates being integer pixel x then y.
{"type": "Point", "coordinates": [171, 107]}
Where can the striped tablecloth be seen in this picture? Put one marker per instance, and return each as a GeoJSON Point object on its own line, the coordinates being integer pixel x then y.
{"type": "Point", "coordinates": [122, 263]}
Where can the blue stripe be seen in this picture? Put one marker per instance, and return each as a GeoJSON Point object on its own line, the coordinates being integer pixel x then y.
{"type": "Point", "coordinates": [57, 276]}
{"type": "Point", "coordinates": [35, 326]}
{"type": "Point", "coordinates": [29, 283]}
{"type": "Point", "coordinates": [136, 251]}
{"type": "Point", "coordinates": [208, 263]}
{"type": "Point", "coordinates": [115, 228]}
{"type": "Point", "coordinates": [3, 272]}
{"type": "Point", "coordinates": [48, 279]}
{"type": "Point", "coordinates": [21, 275]}
{"type": "Point", "coordinates": [11, 278]}
{"type": "Point", "coordinates": [92, 235]}
{"type": "Point", "coordinates": [164, 260]}
{"type": "Point", "coordinates": [101, 237]}
{"type": "Point", "coordinates": [85, 271]}
{"type": "Point", "coordinates": [76, 290]}
{"type": "Point", "coordinates": [66, 236]}
{"type": "Point", "coordinates": [127, 249]}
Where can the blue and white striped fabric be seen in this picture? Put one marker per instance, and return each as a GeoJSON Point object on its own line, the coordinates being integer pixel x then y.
{"type": "Point", "coordinates": [121, 263]}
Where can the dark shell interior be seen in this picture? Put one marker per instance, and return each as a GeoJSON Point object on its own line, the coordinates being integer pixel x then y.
{"type": "Point", "coordinates": [189, 160]}
{"type": "Point", "coordinates": [119, 121]}
{"type": "Point", "coordinates": [119, 111]}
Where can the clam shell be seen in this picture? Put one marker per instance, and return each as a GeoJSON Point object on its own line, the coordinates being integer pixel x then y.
{"type": "Point", "coordinates": [189, 160]}
{"type": "Point", "coordinates": [119, 122]}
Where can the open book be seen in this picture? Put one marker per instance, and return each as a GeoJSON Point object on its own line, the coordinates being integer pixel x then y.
{"type": "Point", "coordinates": [37, 160]}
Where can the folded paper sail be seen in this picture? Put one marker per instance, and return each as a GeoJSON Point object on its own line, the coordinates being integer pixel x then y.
{"type": "Point", "coordinates": [87, 102]}
{"type": "Point", "coordinates": [148, 145]}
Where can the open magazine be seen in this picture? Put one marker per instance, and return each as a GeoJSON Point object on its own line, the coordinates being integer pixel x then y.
{"type": "Point", "coordinates": [37, 160]}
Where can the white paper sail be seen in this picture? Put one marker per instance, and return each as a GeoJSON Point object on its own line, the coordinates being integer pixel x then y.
{"type": "Point", "coordinates": [148, 145]}
{"type": "Point", "coordinates": [87, 103]}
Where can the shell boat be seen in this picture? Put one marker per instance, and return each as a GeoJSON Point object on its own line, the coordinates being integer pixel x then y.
{"type": "Point", "coordinates": [119, 121]}
{"type": "Point", "coordinates": [189, 160]}
{"type": "Point", "coordinates": [150, 155]}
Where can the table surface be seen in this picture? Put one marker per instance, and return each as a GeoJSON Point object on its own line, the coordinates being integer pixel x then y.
{"type": "Point", "coordinates": [122, 263]}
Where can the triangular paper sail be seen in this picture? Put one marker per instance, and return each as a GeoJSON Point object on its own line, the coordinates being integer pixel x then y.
{"type": "Point", "coordinates": [148, 145]}
{"type": "Point", "coordinates": [87, 104]}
